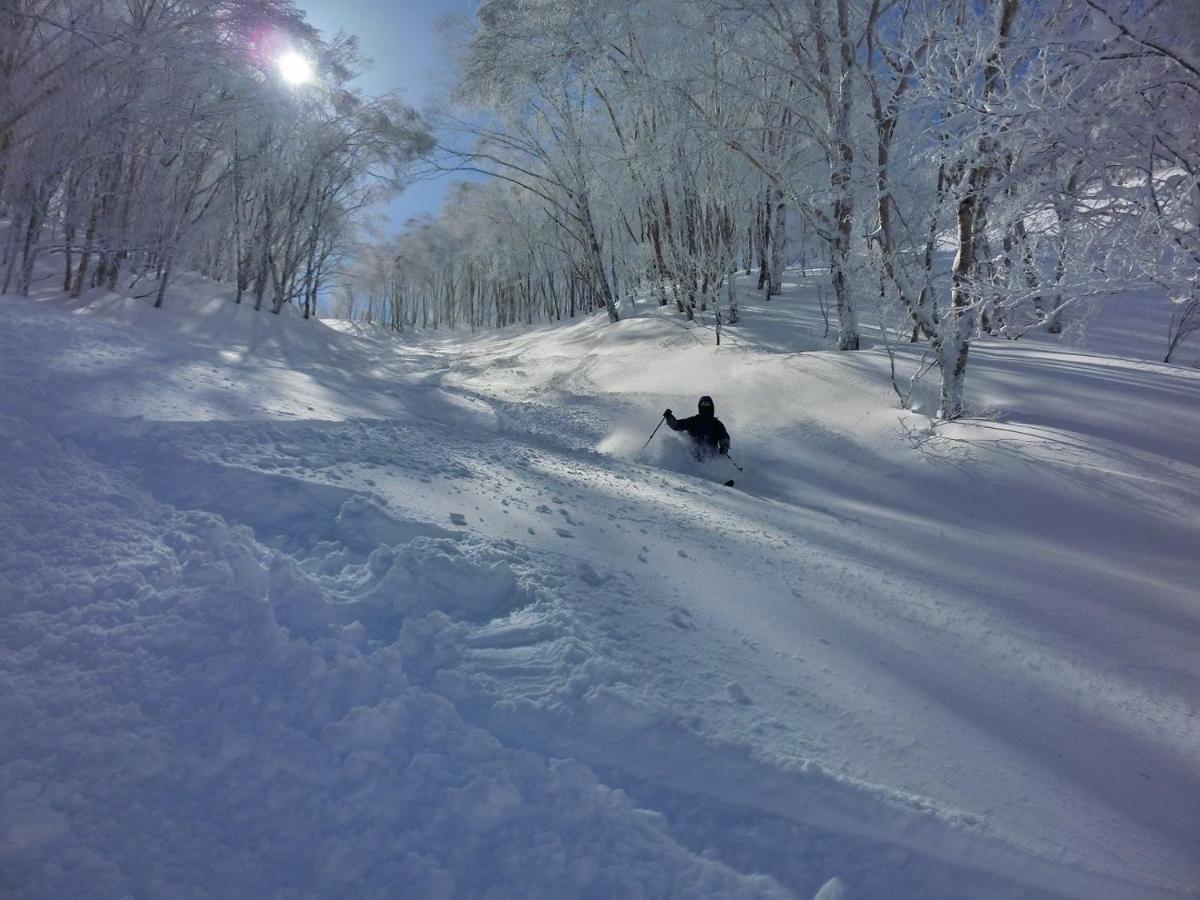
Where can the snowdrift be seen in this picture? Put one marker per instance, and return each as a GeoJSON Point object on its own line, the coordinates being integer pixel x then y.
{"type": "Point", "coordinates": [294, 610]}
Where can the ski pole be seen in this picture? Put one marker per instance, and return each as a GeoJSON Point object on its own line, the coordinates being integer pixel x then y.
{"type": "Point", "coordinates": [653, 433]}
{"type": "Point", "coordinates": [735, 465]}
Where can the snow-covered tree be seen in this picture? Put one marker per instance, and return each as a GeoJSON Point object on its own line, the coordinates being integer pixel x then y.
{"type": "Point", "coordinates": [976, 168]}
{"type": "Point", "coordinates": [140, 139]}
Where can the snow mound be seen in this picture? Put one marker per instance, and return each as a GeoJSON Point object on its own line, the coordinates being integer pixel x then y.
{"type": "Point", "coordinates": [289, 611]}
{"type": "Point", "coordinates": [168, 734]}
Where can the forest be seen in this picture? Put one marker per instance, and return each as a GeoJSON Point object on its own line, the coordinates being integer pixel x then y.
{"type": "Point", "coordinates": [950, 169]}
{"type": "Point", "coordinates": [146, 138]}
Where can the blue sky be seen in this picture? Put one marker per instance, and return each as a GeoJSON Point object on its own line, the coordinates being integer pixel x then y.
{"type": "Point", "coordinates": [401, 36]}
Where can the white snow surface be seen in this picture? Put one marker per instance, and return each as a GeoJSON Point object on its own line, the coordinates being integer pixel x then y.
{"type": "Point", "coordinates": [298, 610]}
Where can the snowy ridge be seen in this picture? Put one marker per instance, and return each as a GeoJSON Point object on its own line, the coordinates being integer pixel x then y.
{"type": "Point", "coordinates": [289, 612]}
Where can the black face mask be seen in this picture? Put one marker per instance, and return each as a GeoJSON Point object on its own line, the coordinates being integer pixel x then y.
{"type": "Point", "coordinates": [706, 412]}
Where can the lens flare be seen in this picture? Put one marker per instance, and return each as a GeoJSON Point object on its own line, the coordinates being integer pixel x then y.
{"type": "Point", "coordinates": [294, 68]}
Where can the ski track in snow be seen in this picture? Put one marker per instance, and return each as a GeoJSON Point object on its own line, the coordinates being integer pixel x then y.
{"type": "Point", "coordinates": [497, 662]}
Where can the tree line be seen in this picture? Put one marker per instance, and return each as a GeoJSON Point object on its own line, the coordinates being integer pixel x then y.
{"type": "Point", "coordinates": [966, 167]}
{"type": "Point", "coordinates": [972, 167]}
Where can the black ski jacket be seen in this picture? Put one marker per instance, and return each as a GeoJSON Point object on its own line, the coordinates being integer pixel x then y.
{"type": "Point", "coordinates": [706, 431]}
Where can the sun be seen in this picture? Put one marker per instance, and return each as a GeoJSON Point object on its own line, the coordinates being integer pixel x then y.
{"type": "Point", "coordinates": [294, 68]}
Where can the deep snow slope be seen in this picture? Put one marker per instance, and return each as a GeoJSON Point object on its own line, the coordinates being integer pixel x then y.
{"type": "Point", "coordinates": [294, 611]}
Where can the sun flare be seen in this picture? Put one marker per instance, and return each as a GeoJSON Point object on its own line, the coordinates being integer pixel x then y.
{"type": "Point", "coordinates": [294, 68]}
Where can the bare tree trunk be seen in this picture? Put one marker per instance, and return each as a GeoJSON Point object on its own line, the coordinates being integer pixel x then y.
{"type": "Point", "coordinates": [1063, 212]}
{"type": "Point", "coordinates": [778, 242]}
{"type": "Point", "coordinates": [923, 316]}
{"type": "Point", "coordinates": [29, 252]}
{"type": "Point", "coordinates": [957, 328]}
{"type": "Point", "coordinates": [266, 237]}
{"type": "Point", "coordinates": [124, 218]}
{"type": "Point", "coordinates": [163, 279]}
{"type": "Point", "coordinates": [14, 230]}
{"type": "Point", "coordinates": [838, 96]}
{"type": "Point", "coordinates": [85, 254]}
{"type": "Point", "coordinates": [764, 244]}
{"type": "Point", "coordinates": [596, 256]}
{"type": "Point", "coordinates": [731, 302]}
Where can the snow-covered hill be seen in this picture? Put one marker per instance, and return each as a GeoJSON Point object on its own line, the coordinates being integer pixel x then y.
{"type": "Point", "coordinates": [291, 610]}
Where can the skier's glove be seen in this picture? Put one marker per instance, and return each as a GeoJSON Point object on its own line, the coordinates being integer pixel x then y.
{"type": "Point", "coordinates": [668, 414]}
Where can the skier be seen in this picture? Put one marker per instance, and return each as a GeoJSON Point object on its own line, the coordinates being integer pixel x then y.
{"type": "Point", "coordinates": [705, 429]}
